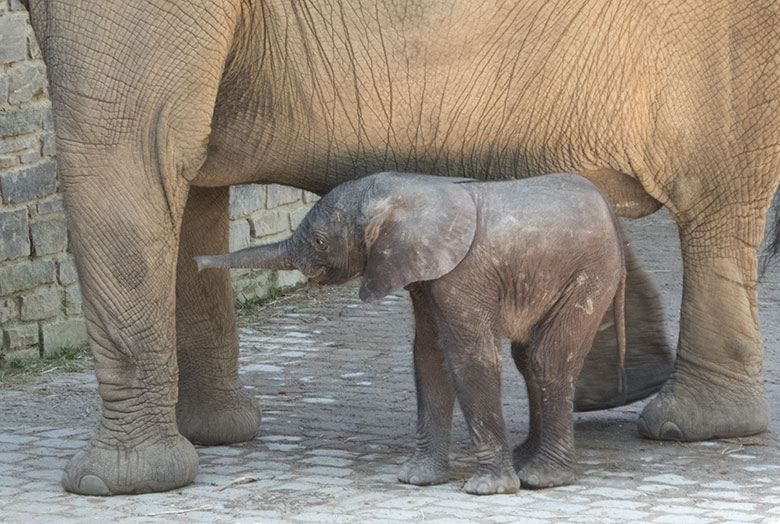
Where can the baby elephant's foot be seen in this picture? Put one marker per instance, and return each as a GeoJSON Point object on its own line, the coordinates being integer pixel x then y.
{"type": "Point", "coordinates": [489, 481]}
{"type": "Point", "coordinates": [540, 473]}
{"type": "Point", "coordinates": [424, 471]}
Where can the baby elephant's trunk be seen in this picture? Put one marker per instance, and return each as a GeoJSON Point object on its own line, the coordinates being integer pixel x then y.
{"type": "Point", "coordinates": [274, 256]}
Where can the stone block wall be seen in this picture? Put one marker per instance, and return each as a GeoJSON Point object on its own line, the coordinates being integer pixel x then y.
{"type": "Point", "coordinates": [40, 301]}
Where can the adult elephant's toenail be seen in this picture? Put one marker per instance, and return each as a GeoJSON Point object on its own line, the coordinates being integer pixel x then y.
{"type": "Point", "coordinates": [671, 431]}
{"type": "Point", "coordinates": [93, 485]}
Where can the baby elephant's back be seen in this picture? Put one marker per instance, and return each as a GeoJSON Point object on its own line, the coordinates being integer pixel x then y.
{"type": "Point", "coordinates": [555, 217]}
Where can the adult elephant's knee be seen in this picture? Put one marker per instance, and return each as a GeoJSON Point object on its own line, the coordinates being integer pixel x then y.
{"type": "Point", "coordinates": [649, 357]}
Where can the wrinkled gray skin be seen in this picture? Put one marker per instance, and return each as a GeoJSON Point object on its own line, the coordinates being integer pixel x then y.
{"type": "Point", "coordinates": [538, 261]}
{"type": "Point", "coordinates": [160, 106]}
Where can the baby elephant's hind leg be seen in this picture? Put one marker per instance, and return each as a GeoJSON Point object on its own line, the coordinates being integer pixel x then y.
{"type": "Point", "coordinates": [550, 363]}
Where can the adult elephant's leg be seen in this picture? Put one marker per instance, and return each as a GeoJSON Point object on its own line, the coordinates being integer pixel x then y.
{"type": "Point", "coordinates": [649, 357]}
{"type": "Point", "coordinates": [124, 235]}
{"type": "Point", "coordinates": [131, 132]}
{"type": "Point", "coordinates": [716, 389]}
{"type": "Point", "coordinates": [213, 407]}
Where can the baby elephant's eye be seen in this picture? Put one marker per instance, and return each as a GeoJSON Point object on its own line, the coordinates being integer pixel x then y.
{"type": "Point", "coordinates": [319, 243]}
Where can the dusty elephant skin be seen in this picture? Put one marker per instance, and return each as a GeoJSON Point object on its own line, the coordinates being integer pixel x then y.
{"type": "Point", "coordinates": [659, 103]}
{"type": "Point", "coordinates": [538, 261]}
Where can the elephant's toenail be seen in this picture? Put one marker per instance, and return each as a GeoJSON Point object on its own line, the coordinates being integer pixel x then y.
{"type": "Point", "coordinates": [671, 431]}
{"type": "Point", "coordinates": [93, 485]}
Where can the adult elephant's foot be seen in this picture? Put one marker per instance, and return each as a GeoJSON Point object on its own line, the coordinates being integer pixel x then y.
{"type": "Point", "coordinates": [101, 469]}
{"type": "Point", "coordinates": [704, 406]}
{"type": "Point", "coordinates": [524, 453]}
{"type": "Point", "coordinates": [540, 472]}
{"type": "Point", "coordinates": [217, 416]}
{"type": "Point", "coordinates": [489, 480]}
{"type": "Point", "coordinates": [424, 470]}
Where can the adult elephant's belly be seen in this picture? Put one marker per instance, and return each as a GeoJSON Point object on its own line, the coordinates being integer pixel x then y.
{"type": "Point", "coordinates": [455, 101]}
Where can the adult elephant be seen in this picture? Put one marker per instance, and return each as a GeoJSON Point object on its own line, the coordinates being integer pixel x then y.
{"type": "Point", "coordinates": [159, 106]}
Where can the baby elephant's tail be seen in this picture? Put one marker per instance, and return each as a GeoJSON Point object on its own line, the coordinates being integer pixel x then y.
{"type": "Point", "coordinates": [619, 311]}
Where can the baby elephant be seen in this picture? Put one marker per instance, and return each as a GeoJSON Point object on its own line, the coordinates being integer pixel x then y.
{"type": "Point", "coordinates": [537, 260]}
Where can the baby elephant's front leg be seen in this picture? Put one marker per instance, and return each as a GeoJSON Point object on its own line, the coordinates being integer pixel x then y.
{"type": "Point", "coordinates": [474, 360]}
{"type": "Point", "coordinates": [435, 400]}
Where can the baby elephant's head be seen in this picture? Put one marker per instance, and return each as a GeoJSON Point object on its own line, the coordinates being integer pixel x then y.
{"type": "Point", "coordinates": [392, 228]}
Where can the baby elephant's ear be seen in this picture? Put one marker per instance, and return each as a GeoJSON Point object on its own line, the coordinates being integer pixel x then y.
{"type": "Point", "coordinates": [418, 227]}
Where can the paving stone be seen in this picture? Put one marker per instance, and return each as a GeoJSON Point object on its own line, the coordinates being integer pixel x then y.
{"type": "Point", "coordinates": [674, 480]}
{"type": "Point", "coordinates": [329, 480]}
{"type": "Point", "coordinates": [61, 443]}
{"type": "Point", "coordinates": [63, 433]}
{"type": "Point", "coordinates": [320, 517]}
{"type": "Point", "coordinates": [52, 475]}
{"type": "Point", "coordinates": [17, 439]}
{"type": "Point", "coordinates": [7, 492]}
{"type": "Point", "coordinates": [328, 461]}
{"type": "Point", "coordinates": [734, 516]}
{"type": "Point", "coordinates": [323, 470]}
{"type": "Point", "coordinates": [12, 457]}
{"type": "Point", "coordinates": [622, 515]}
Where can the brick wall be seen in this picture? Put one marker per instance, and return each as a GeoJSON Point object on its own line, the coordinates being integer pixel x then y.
{"type": "Point", "coordinates": [40, 302]}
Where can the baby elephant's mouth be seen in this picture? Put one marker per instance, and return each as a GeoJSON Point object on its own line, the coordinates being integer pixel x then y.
{"type": "Point", "coordinates": [317, 276]}
{"type": "Point", "coordinates": [321, 276]}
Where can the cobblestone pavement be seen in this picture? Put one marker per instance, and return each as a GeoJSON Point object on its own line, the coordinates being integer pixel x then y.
{"type": "Point", "coordinates": [335, 380]}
